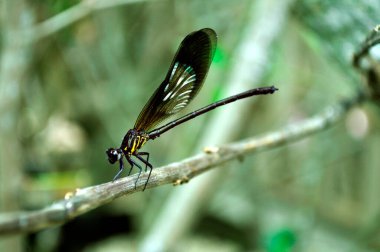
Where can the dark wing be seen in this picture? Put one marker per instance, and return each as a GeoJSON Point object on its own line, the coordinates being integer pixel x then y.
{"type": "Point", "coordinates": [184, 79]}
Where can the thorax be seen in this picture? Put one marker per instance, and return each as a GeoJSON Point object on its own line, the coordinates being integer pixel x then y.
{"type": "Point", "coordinates": [133, 141]}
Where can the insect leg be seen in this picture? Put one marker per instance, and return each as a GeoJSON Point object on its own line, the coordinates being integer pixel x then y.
{"type": "Point", "coordinates": [131, 163]}
{"type": "Point", "coordinates": [121, 168]}
{"type": "Point", "coordinates": [146, 164]}
{"type": "Point", "coordinates": [138, 166]}
{"type": "Point", "coordinates": [147, 158]}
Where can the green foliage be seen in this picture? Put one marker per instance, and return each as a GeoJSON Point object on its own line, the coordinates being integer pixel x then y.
{"type": "Point", "coordinates": [282, 240]}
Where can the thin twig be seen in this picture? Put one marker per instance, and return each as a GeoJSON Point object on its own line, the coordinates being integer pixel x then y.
{"type": "Point", "coordinates": [368, 64]}
{"type": "Point", "coordinates": [86, 199]}
{"type": "Point", "coordinates": [72, 15]}
{"type": "Point", "coordinates": [372, 39]}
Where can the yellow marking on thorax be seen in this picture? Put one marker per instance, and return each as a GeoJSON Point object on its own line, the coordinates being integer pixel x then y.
{"type": "Point", "coordinates": [143, 141]}
{"type": "Point", "coordinates": [138, 142]}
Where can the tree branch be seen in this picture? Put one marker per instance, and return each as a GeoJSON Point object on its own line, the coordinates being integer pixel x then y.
{"type": "Point", "coordinates": [86, 199]}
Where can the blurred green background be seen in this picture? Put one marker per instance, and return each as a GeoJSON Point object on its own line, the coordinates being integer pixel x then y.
{"type": "Point", "coordinates": [67, 96]}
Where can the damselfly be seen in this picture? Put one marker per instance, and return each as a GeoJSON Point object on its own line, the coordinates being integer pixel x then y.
{"type": "Point", "coordinates": [184, 79]}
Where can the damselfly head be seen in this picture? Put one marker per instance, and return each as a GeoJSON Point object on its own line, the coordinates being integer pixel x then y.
{"type": "Point", "coordinates": [114, 155]}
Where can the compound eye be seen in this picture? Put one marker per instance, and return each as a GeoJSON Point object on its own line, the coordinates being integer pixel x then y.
{"type": "Point", "coordinates": [113, 155]}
